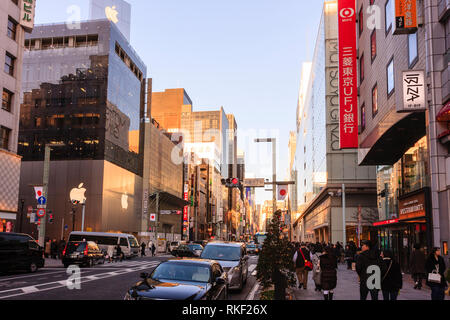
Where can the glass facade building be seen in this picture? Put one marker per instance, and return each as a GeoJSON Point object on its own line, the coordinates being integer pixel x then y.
{"type": "Point", "coordinates": [84, 88]}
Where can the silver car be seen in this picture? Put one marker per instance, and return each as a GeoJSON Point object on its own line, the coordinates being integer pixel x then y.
{"type": "Point", "coordinates": [232, 256]}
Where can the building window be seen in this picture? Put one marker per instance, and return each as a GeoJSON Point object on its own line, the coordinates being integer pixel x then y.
{"type": "Point", "coordinates": [361, 21]}
{"type": "Point", "coordinates": [373, 44]}
{"type": "Point", "coordinates": [7, 100]}
{"type": "Point", "coordinates": [412, 49]}
{"type": "Point", "coordinates": [361, 68]}
{"type": "Point", "coordinates": [9, 64]}
{"type": "Point", "coordinates": [363, 117]}
{"type": "Point", "coordinates": [388, 16]}
{"type": "Point", "coordinates": [374, 101]}
{"type": "Point", "coordinates": [4, 137]}
{"type": "Point", "coordinates": [12, 28]}
{"type": "Point", "coordinates": [390, 77]}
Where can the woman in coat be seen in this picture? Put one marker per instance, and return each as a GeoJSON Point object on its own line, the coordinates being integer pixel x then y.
{"type": "Point", "coordinates": [316, 252]}
{"type": "Point", "coordinates": [417, 266]}
{"type": "Point", "coordinates": [328, 274]}
{"type": "Point", "coordinates": [391, 280]}
{"type": "Point", "coordinates": [435, 264]}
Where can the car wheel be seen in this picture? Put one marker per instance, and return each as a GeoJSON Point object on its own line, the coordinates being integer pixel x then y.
{"type": "Point", "coordinates": [33, 267]}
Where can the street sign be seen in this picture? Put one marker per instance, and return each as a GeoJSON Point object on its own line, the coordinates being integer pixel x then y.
{"type": "Point", "coordinates": [40, 213]}
{"type": "Point", "coordinates": [254, 183]}
{"type": "Point", "coordinates": [41, 200]}
{"type": "Point", "coordinates": [66, 227]}
{"type": "Point", "coordinates": [41, 206]}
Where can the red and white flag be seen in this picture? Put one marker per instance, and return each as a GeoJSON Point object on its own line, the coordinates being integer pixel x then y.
{"type": "Point", "coordinates": [39, 192]}
{"type": "Point", "coordinates": [282, 192]}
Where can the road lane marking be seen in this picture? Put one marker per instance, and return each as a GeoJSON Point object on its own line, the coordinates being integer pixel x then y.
{"type": "Point", "coordinates": [254, 273]}
{"type": "Point", "coordinates": [29, 276]}
{"type": "Point", "coordinates": [252, 293]}
{"type": "Point", "coordinates": [252, 267]}
{"type": "Point", "coordinates": [60, 284]}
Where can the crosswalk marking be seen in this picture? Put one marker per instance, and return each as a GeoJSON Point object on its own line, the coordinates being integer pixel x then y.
{"type": "Point", "coordinates": [252, 267]}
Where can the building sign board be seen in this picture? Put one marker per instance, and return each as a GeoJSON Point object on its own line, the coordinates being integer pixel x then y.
{"type": "Point", "coordinates": [348, 83]}
{"type": "Point", "coordinates": [254, 183]}
{"type": "Point", "coordinates": [27, 12]}
{"type": "Point", "coordinates": [405, 16]}
{"type": "Point", "coordinates": [412, 207]}
{"type": "Point", "coordinates": [414, 98]}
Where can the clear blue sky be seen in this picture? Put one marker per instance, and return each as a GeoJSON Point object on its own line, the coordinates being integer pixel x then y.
{"type": "Point", "coordinates": [244, 55]}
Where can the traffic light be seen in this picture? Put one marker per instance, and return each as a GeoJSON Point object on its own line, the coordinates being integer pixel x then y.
{"type": "Point", "coordinates": [50, 218]}
{"type": "Point", "coordinates": [231, 182]}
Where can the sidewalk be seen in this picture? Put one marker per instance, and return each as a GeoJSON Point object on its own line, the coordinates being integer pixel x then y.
{"type": "Point", "coordinates": [348, 288]}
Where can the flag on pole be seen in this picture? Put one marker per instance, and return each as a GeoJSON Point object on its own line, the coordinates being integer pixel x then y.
{"type": "Point", "coordinates": [282, 192]}
{"type": "Point", "coordinates": [39, 192]}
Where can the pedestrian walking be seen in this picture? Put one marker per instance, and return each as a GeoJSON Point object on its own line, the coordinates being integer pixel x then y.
{"type": "Point", "coordinates": [417, 266]}
{"type": "Point", "coordinates": [328, 274]}
{"type": "Point", "coordinates": [315, 255]}
{"type": "Point", "coordinates": [53, 249]}
{"type": "Point", "coordinates": [62, 246]}
{"type": "Point", "coordinates": [142, 249]}
{"type": "Point", "coordinates": [303, 264]}
{"type": "Point", "coordinates": [392, 279]}
{"type": "Point", "coordinates": [348, 256]}
{"type": "Point", "coordinates": [110, 253]}
{"type": "Point", "coordinates": [435, 268]}
{"type": "Point", "coordinates": [119, 254]}
{"type": "Point", "coordinates": [368, 257]}
{"type": "Point", "coordinates": [153, 249]}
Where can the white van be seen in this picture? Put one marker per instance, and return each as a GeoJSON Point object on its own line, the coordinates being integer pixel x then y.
{"type": "Point", "coordinates": [128, 243]}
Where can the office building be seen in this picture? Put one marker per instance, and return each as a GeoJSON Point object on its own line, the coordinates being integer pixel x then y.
{"type": "Point", "coordinates": [116, 11]}
{"type": "Point", "coordinates": [14, 24]}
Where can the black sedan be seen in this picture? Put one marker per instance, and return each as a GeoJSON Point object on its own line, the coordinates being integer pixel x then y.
{"type": "Point", "coordinates": [188, 250]}
{"type": "Point", "coordinates": [182, 279]}
{"type": "Point", "coordinates": [83, 253]}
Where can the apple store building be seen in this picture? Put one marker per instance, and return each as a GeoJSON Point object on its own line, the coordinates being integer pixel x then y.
{"type": "Point", "coordinates": [83, 89]}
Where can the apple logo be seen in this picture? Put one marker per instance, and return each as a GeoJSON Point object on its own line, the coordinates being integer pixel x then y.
{"type": "Point", "coordinates": [125, 201]}
{"type": "Point", "coordinates": [77, 194]}
{"type": "Point", "coordinates": [111, 14]}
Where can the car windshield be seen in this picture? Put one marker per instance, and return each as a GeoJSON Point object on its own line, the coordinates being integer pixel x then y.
{"type": "Point", "coordinates": [195, 247]}
{"type": "Point", "coordinates": [133, 242]}
{"type": "Point", "coordinates": [75, 247]}
{"type": "Point", "coordinates": [226, 253]}
{"type": "Point", "coordinates": [181, 272]}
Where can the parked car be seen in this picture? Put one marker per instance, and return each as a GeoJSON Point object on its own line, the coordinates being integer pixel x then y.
{"type": "Point", "coordinates": [173, 245]}
{"type": "Point", "coordinates": [20, 252]}
{"type": "Point", "coordinates": [188, 250]}
{"type": "Point", "coordinates": [252, 248]}
{"type": "Point", "coordinates": [182, 279]}
{"type": "Point", "coordinates": [84, 253]}
{"type": "Point", "coordinates": [233, 258]}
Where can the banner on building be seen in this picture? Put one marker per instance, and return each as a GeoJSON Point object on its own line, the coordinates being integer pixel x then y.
{"type": "Point", "coordinates": [348, 86]}
{"type": "Point", "coordinates": [27, 11]}
{"type": "Point", "coordinates": [414, 98]}
{"type": "Point", "coordinates": [405, 17]}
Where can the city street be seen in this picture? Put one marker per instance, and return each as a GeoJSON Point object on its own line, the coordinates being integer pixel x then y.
{"type": "Point", "coordinates": [102, 282]}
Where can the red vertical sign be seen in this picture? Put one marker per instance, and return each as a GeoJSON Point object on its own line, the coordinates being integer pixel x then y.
{"type": "Point", "coordinates": [348, 81]}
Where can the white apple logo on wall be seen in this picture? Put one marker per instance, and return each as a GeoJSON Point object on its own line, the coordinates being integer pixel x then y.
{"type": "Point", "coordinates": [77, 194]}
{"type": "Point", "coordinates": [111, 13]}
{"type": "Point", "coordinates": [125, 201]}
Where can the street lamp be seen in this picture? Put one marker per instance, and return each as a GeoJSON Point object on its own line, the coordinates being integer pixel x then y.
{"type": "Point", "coordinates": [274, 169]}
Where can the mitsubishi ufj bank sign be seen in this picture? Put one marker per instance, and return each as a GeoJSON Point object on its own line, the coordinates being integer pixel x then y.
{"type": "Point", "coordinates": [348, 90]}
{"type": "Point", "coordinates": [414, 98]}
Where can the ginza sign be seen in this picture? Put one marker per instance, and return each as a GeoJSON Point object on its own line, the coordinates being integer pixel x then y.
{"type": "Point", "coordinates": [413, 91]}
{"type": "Point", "coordinates": [348, 90]}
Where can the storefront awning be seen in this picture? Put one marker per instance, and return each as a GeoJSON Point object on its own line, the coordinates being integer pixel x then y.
{"type": "Point", "coordinates": [444, 114]}
{"type": "Point", "coordinates": [165, 197]}
{"type": "Point", "coordinates": [391, 146]}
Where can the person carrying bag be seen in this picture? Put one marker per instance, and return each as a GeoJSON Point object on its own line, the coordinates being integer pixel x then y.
{"type": "Point", "coordinates": [435, 267]}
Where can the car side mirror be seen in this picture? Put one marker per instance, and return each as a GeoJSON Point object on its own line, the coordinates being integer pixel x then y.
{"type": "Point", "coordinates": [144, 275]}
{"type": "Point", "coordinates": [220, 280]}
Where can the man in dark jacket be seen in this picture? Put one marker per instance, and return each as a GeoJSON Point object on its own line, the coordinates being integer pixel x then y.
{"type": "Point", "coordinates": [368, 257]}
{"type": "Point", "coordinates": [417, 266]}
{"type": "Point", "coordinates": [300, 256]}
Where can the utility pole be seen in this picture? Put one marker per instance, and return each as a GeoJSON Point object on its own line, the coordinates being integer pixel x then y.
{"type": "Point", "coordinates": [41, 238]}
{"type": "Point", "coordinates": [344, 236]}
{"type": "Point", "coordinates": [157, 220]}
{"type": "Point", "coordinates": [274, 173]}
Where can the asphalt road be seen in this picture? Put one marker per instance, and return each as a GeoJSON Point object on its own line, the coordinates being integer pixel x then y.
{"type": "Point", "coordinates": [102, 282]}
